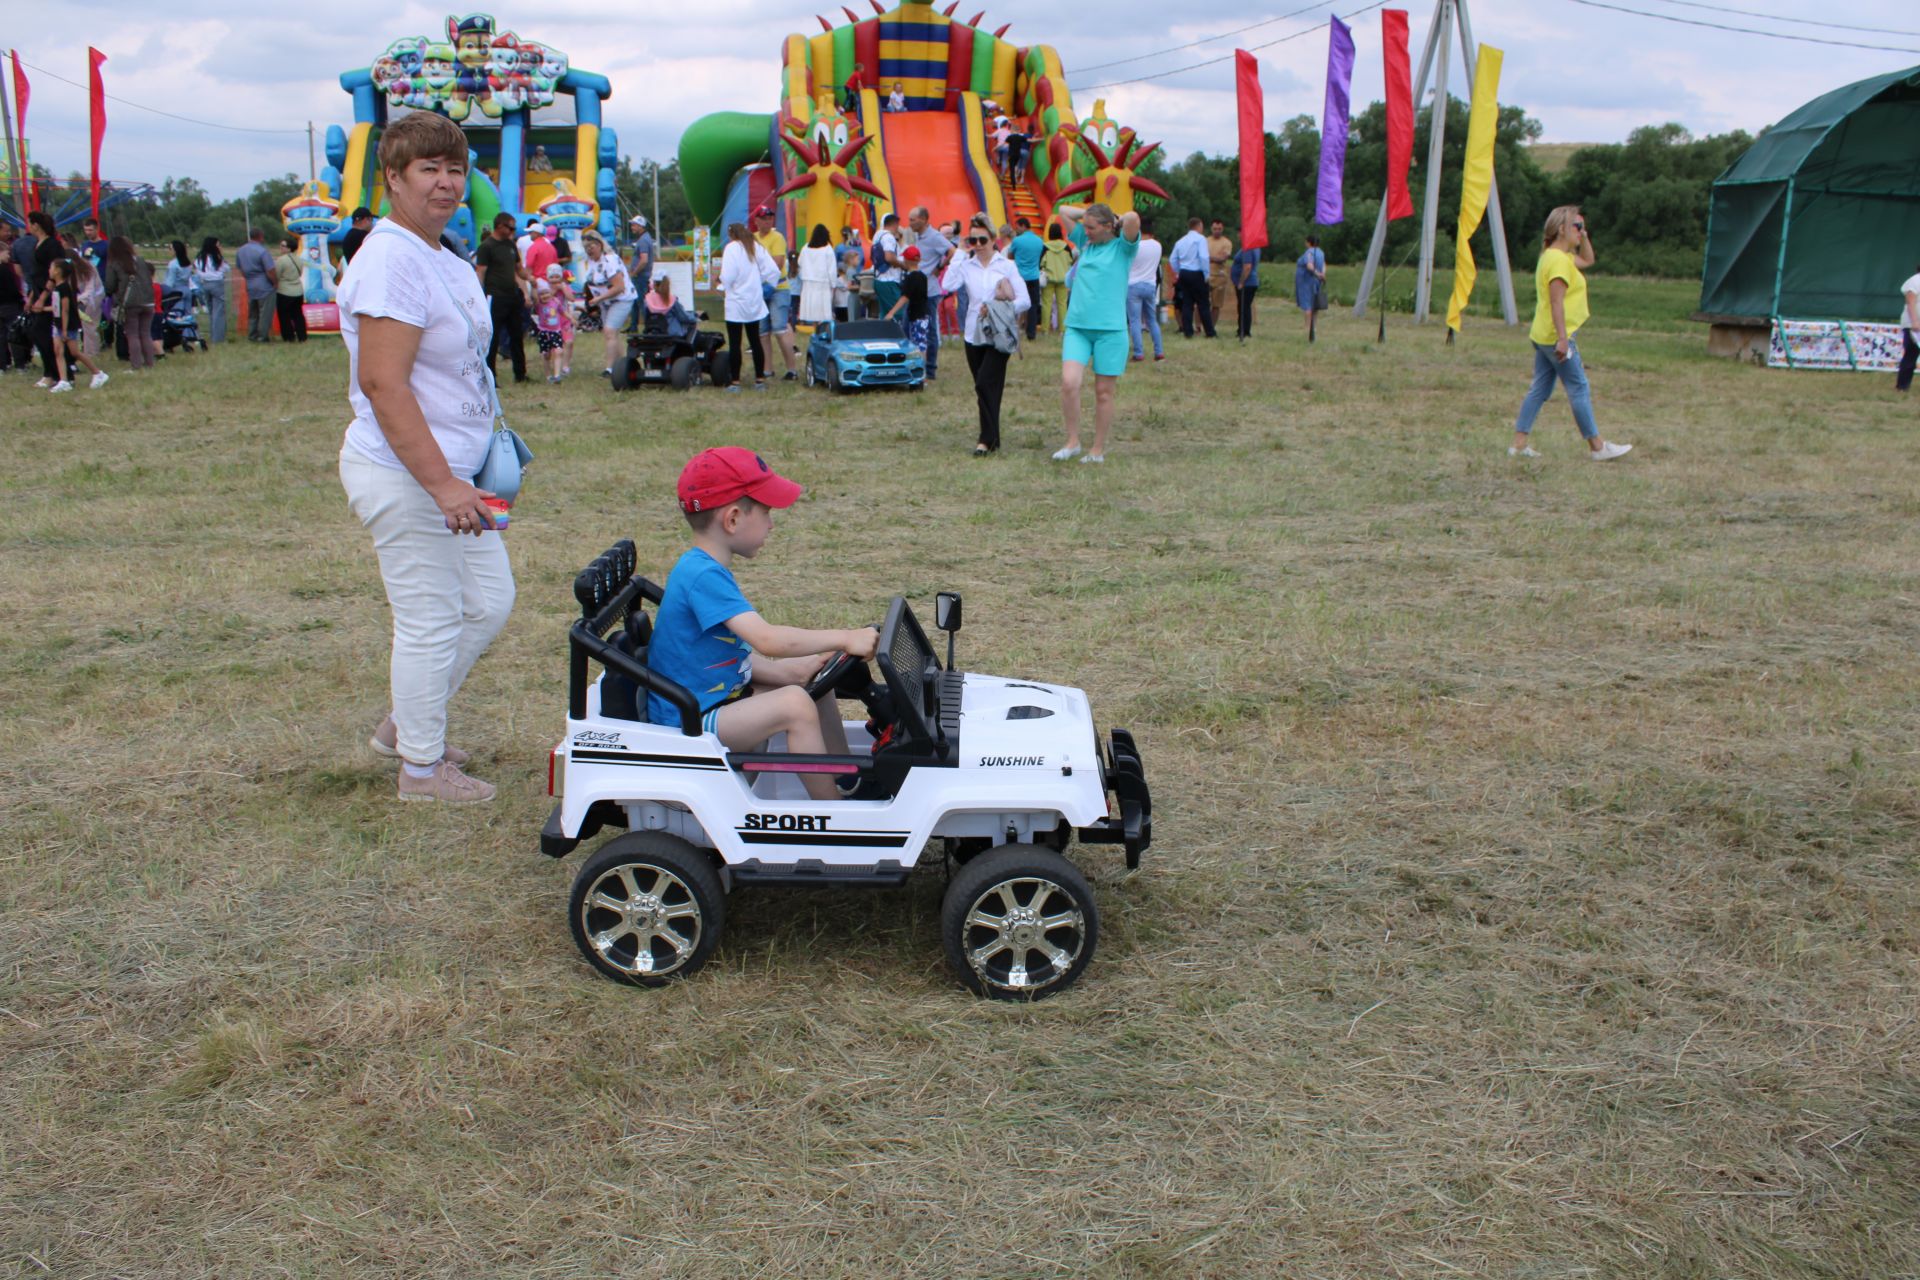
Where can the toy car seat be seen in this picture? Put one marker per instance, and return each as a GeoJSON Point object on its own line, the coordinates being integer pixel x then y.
{"type": "Point", "coordinates": [620, 697]}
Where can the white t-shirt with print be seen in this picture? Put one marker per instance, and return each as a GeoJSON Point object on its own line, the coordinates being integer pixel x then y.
{"type": "Point", "coordinates": [399, 276]}
{"type": "Point", "coordinates": [601, 272]}
{"type": "Point", "coordinates": [1911, 286]}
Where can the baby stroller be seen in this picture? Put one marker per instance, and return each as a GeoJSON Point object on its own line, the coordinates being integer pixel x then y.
{"type": "Point", "coordinates": [178, 325]}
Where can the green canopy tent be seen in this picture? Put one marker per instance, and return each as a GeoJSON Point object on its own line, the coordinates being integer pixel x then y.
{"type": "Point", "coordinates": [1820, 218]}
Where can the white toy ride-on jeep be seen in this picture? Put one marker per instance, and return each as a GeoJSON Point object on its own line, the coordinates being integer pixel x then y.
{"type": "Point", "coordinates": [1002, 771]}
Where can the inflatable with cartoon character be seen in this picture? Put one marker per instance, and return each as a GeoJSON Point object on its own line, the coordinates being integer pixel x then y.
{"type": "Point", "coordinates": [491, 82]}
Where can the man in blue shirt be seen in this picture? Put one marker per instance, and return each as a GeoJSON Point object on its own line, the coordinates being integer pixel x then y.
{"type": "Point", "coordinates": [1025, 251]}
{"type": "Point", "coordinates": [1189, 263]}
{"type": "Point", "coordinates": [639, 265]}
{"type": "Point", "coordinates": [1245, 273]}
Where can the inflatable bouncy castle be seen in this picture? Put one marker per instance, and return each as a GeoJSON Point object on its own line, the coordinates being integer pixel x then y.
{"type": "Point", "coordinates": [510, 95]}
{"type": "Point", "coordinates": [832, 148]}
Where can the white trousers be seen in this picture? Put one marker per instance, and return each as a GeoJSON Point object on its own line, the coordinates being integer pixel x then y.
{"type": "Point", "coordinates": [450, 595]}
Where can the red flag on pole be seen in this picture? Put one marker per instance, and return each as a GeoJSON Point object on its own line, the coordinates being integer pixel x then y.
{"type": "Point", "coordinates": [1253, 151]}
{"type": "Point", "coordinates": [1393, 30]}
{"type": "Point", "coordinates": [97, 116]}
{"type": "Point", "coordinates": [20, 94]}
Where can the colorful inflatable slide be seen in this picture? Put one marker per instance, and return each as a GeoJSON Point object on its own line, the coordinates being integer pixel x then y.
{"type": "Point", "coordinates": [816, 156]}
{"type": "Point", "coordinates": [492, 83]}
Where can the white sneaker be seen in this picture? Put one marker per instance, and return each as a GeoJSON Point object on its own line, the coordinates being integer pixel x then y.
{"type": "Point", "coordinates": [99, 381]}
{"type": "Point", "coordinates": [1528, 452]}
{"type": "Point", "coordinates": [44, 383]}
{"type": "Point", "coordinates": [1094, 457]}
{"type": "Point", "coordinates": [1062, 455]}
{"type": "Point", "coordinates": [1608, 451]}
{"type": "Point", "coordinates": [61, 386]}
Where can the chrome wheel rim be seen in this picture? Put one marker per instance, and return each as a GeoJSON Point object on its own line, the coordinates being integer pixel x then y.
{"type": "Point", "coordinates": [1024, 934]}
{"type": "Point", "coordinates": [642, 920]}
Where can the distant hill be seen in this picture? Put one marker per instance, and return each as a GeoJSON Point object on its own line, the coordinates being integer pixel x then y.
{"type": "Point", "coordinates": [1552, 157]}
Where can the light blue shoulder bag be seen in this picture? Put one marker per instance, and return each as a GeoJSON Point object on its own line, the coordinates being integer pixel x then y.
{"type": "Point", "coordinates": [507, 454]}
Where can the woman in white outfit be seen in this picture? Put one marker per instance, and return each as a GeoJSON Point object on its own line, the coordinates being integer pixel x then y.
{"type": "Point", "coordinates": [819, 270]}
{"type": "Point", "coordinates": [747, 274]}
{"type": "Point", "coordinates": [417, 333]}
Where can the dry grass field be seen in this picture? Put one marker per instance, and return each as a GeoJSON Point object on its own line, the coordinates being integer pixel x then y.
{"type": "Point", "coordinates": [1535, 890]}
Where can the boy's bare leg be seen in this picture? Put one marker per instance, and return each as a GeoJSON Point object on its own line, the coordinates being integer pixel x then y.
{"type": "Point", "coordinates": [777, 673]}
{"type": "Point", "coordinates": [745, 724]}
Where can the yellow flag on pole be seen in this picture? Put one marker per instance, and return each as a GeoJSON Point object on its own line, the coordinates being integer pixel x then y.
{"type": "Point", "coordinates": [1477, 178]}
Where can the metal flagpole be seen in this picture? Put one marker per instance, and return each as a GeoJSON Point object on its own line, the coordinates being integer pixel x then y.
{"type": "Point", "coordinates": [313, 174]}
{"type": "Point", "coordinates": [1436, 143]}
{"type": "Point", "coordinates": [655, 228]}
{"type": "Point", "coordinates": [1380, 226]}
{"type": "Point", "coordinates": [1469, 54]}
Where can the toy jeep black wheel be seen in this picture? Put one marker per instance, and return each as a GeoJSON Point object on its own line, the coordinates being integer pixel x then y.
{"type": "Point", "coordinates": [646, 909]}
{"type": "Point", "coordinates": [1019, 923]}
{"type": "Point", "coordinates": [683, 373]}
{"type": "Point", "coordinates": [720, 369]}
{"type": "Point", "coordinates": [627, 373]}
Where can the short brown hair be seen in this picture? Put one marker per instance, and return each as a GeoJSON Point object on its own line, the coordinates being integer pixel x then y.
{"type": "Point", "coordinates": [421, 136]}
{"type": "Point", "coordinates": [701, 521]}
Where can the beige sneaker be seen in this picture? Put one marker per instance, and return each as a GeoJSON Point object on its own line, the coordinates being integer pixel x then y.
{"type": "Point", "coordinates": [446, 783]}
{"type": "Point", "coordinates": [385, 742]}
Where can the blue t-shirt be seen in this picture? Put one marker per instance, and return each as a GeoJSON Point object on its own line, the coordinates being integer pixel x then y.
{"type": "Point", "coordinates": [1027, 248]}
{"type": "Point", "coordinates": [1246, 268]}
{"type": "Point", "coordinates": [1099, 298]}
{"type": "Point", "coordinates": [691, 644]}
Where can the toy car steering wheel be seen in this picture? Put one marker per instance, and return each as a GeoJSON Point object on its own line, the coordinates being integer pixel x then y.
{"type": "Point", "coordinates": [833, 673]}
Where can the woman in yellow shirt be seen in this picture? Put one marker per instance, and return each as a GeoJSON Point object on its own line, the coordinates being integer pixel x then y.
{"type": "Point", "coordinates": [1560, 308]}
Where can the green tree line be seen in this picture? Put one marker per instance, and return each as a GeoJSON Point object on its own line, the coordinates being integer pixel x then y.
{"type": "Point", "coordinates": [1647, 197]}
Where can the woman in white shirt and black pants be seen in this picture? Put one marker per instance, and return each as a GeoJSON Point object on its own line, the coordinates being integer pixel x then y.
{"type": "Point", "coordinates": [746, 273]}
{"type": "Point", "coordinates": [417, 333]}
{"type": "Point", "coordinates": [980, 275]}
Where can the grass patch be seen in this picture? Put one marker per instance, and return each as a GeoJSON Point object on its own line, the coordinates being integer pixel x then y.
{"type": "Point", "coordinates": [1534, 892]}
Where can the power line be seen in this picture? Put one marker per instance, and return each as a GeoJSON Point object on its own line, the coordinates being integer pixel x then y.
{"type": "Point", "coordinates": [1264, 22]}
{"type": "Point", "coordinates": [1161, 75]}
{"type": "Point", "coordinates": [1751, 31]}
{"type": "Point", "coordinates": [1803, 22]}
{"type": "Point", "coordinates": [205, 124]}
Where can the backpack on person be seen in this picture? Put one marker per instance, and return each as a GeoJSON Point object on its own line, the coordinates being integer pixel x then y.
{"type": "Point", "coordinates": [883, 244]}
{"type": "Point", "coordinates": [1055, 261]}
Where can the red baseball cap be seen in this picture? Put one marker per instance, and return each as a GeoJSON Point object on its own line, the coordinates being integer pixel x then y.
{"type": "Point", "coordinates": [912, 254]}
{"type": "Point", "coordinates": [715, 477]}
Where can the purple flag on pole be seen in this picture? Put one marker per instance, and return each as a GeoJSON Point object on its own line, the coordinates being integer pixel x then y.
{"type": "Point", "coordinates": [1330, 203]}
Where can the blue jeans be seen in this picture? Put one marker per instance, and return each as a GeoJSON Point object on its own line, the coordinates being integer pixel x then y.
{"type": "Point", "coordinates": [933, 334]}
{"type": "Point", "coordinates": [216, 313]}
{"type": "Point", "coordinates": [1546, 367]}
{"type": "Point", "coordinates": [1141, 310]}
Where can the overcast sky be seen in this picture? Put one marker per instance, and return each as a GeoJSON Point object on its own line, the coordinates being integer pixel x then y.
{"type": "Point", "coordinates": [1587, 74]}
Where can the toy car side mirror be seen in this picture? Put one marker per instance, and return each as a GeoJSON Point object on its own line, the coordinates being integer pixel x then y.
{"type": "Point", "coordinates": [946, 611]}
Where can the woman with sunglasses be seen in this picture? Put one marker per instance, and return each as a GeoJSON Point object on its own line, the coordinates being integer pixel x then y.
{"type": "Point", "coordinates": [982, 277]}
{"type": "Point", "coordinates": [1560, 308]}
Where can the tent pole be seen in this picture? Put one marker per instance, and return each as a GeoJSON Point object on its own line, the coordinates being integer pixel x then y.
{"type": "Point", "coordinates": [1786, 233]}
{"type": "Point", "coordinates": [1469, 56]}
{"type": "Point", "coordinates": [1436, 142]}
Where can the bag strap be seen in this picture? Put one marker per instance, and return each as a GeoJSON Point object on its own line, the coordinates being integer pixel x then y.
{"type": "Point", "coordinates": [479, 350]}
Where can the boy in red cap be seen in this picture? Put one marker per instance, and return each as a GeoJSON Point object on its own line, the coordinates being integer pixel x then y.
{"type": "Point", "coordinates": [707, 637]}
{"type": "Point", "coordinates": [913, 300]}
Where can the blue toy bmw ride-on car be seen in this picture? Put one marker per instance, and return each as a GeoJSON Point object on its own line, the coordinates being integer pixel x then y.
{"type": "Point", "coordinates": [854, 354]}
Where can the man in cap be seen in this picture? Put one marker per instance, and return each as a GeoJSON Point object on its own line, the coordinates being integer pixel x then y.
{"type": "Point", "coordinates": [640, 264]}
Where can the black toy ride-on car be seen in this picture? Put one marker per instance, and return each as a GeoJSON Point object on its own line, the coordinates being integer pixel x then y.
{"type": "Point", "coordinates": [657, 356]}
